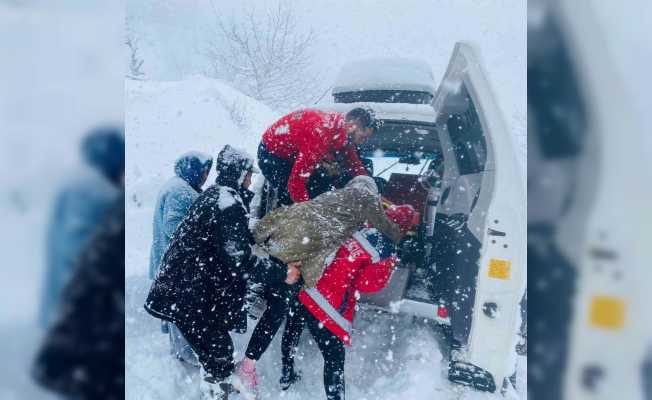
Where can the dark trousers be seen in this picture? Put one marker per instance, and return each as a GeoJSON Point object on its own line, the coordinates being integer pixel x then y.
{"type": "Point", "coordinates": [212, 344]}
{"type": "Point", "coordinates": [278, 301]}
{"type": "Point", "coordinates": [331, 347]}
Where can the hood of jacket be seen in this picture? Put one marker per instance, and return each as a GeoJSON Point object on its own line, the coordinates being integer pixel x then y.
{"type": "Point", "coordinates": [104, 149]}
{"type": "Point", "coordinates": [191, 167]}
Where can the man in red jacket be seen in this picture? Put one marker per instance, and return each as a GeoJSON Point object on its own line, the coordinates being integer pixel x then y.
{"type": "Point", "coordinates": [363, 264]}
{"type": "Point", "coordinates": [304, 141]}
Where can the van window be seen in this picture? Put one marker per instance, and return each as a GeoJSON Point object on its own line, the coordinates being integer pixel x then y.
{"type": "Point", "coordinates": [384, 96]}
{"type": "Point", "coordinates": [468, 140]}
{"type": "Point", "coordinates": [402, 138]}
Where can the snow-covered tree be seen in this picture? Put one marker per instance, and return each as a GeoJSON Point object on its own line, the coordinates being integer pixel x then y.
{"type": "Point", "coordinates": [266, 56]}
{"type": "Point", "coordinates": [135, 62]}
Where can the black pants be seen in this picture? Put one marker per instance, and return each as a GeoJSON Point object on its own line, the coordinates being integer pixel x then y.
{"type": "Point", "coordinates": [213, 346]}
{"type": "Point", "coordinates": [331, 347]}
{"type": "Point", "coordinates": [278, 302]}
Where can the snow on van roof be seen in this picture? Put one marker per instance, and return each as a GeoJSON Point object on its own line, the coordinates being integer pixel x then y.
{"type": "Point", "coordinates": [385, 74]}
{"type": "Point", "coordinates": [388, 111]}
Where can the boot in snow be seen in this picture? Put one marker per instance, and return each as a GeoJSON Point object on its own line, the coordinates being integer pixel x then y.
{"type": "Point", "coordinates": [289, 377]}
{"type": "Point", "coordinates": [211, 388]}
{"type": "Point", "coordinates": [215, 390]}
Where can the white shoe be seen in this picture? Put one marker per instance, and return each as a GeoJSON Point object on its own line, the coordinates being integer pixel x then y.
{"type": "Point", "coordinates": [243, 388]}
{"type": "Point", "coordinates": [248, 379]}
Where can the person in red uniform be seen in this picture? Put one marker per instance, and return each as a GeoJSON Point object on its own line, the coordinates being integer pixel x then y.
{"type": "Point", "coordinates": [363, 264]}
{"type": "Point", "coordinates": [305, 141]}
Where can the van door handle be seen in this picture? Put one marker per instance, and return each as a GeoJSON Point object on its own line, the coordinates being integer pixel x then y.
{"type": "Point", "coordinates": [493, 232]}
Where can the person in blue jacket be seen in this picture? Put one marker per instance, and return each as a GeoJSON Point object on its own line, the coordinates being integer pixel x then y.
{"type": "Point", "coordinates": [78, 209]}
{"type": "Point", "coordinates": [174, 201]}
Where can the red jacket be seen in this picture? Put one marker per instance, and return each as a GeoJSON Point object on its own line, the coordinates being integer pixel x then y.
{"type": "Point", "coordinates": [305, 138]}
{"type": "Point", "coordinates": [363, 264]}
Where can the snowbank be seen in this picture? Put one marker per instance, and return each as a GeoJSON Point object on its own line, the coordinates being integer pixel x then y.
{"type": "Point", "coordinates": [166, 119]}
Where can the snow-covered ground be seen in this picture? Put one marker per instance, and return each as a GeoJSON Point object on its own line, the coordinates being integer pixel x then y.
{"type": "Point", "coordinates": [391, 358]}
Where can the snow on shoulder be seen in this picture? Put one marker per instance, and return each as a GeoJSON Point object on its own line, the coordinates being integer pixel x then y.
{"type": "Point", "coordinates": [227, 198]}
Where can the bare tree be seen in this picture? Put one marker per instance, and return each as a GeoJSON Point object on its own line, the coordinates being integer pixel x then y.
{"type": "Point", "coordinates": [135, 63]}
{"type": "Point", "coordinates": [265, 56]}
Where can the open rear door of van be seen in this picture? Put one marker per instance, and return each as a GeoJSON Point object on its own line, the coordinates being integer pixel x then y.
{"type": "Point", "coordinates": [496, 217]}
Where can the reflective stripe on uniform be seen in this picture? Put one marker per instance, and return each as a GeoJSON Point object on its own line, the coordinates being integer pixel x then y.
{"type": "Point", "coordinates": [368, 247]}
{"type": "Point", "coordinates": [329, 309]}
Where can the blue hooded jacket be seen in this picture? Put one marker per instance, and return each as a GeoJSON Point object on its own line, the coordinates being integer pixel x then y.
{"type": "Point", "coordinates": [174, 200]}
{"type": "Point", "coordinates": [79, 207]}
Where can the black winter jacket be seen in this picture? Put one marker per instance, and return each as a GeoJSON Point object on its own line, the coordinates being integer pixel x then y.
{"type": "Point", "coordinates": [204, 271]}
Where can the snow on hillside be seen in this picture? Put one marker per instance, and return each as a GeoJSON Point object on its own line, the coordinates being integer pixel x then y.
{"type": "Point", "coordinates": [166, 119]}
{"type": "Point", "coordinates": [391, 358]}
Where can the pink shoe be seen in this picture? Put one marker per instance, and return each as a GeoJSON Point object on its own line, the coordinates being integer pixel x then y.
{"type": "Point", "coordinates": [246, 381]}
